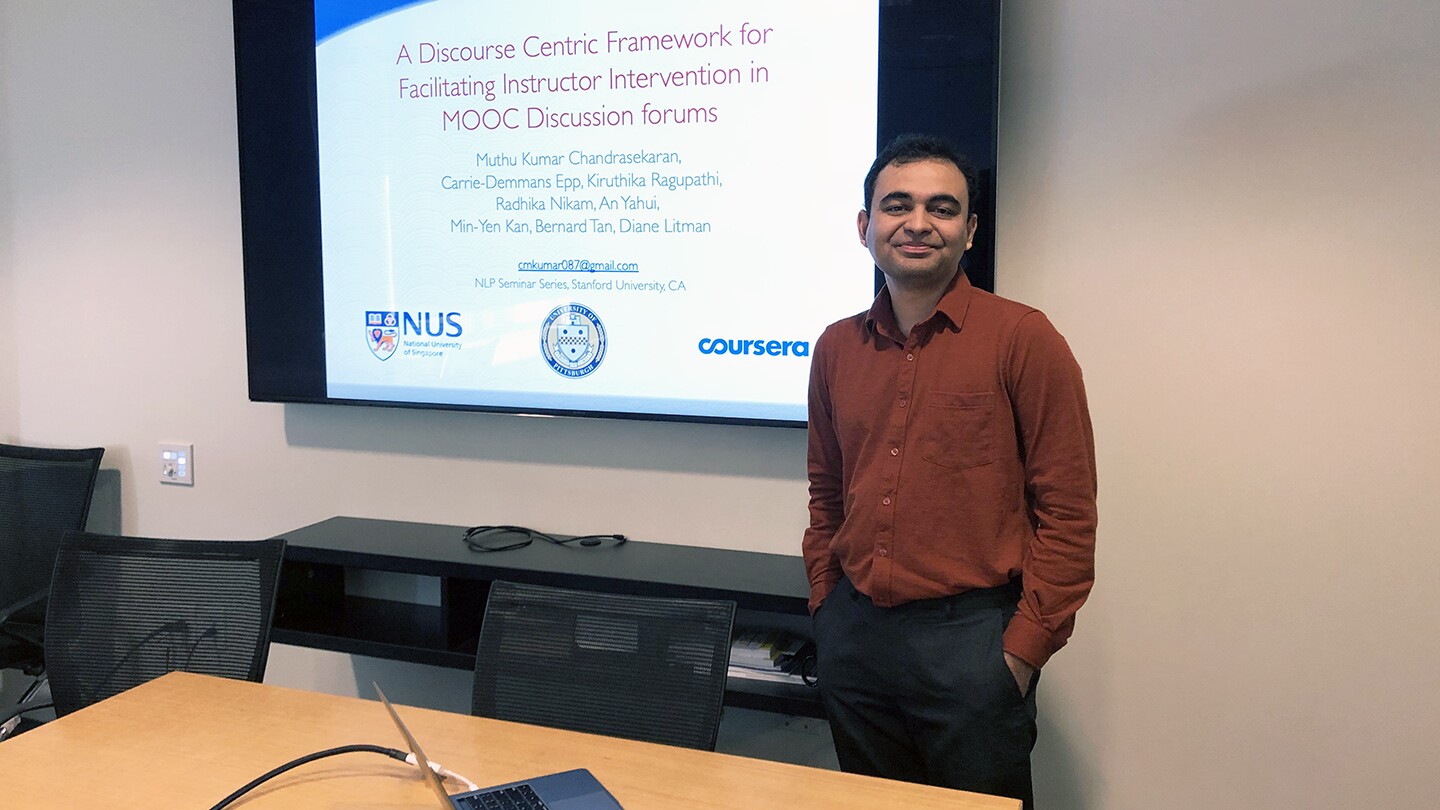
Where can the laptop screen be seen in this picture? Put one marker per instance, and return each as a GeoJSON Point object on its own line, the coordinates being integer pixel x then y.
{"type": "Point", "coordinates": [431, 778]}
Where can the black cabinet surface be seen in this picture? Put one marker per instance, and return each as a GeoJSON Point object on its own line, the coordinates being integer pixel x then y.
{"type": "Point", "coordinates": [315, 609]}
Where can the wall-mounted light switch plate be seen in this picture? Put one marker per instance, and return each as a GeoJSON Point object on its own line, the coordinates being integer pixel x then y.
{"type": "Point", "coordinates": [177, 464]}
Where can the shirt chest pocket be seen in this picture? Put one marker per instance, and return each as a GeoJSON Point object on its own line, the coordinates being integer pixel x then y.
{"type": "Point", "coordinates": [957, 429]}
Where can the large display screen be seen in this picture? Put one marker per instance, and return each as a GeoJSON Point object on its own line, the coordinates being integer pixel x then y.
{"type": "Point", "coordinates": [637, 209]}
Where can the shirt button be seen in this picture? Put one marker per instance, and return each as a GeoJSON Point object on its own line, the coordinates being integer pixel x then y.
{"type": "Point", "coordinates": [910, 357]}
{"type": "Point", "coordinates": [884, 552]}
{"type": "Point", "coordinates": [904, 402]}
{"type": "Point", "coordinates": [894, 451]}
{"type": "Point", "coordinates": [885, 500]}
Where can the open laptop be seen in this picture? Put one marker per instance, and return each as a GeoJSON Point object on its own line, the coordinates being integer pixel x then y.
{"type": "Point", "coordinates": [570, 790]}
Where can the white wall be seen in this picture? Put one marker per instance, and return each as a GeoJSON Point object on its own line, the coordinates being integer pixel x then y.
{"type": "Point", "coordinates": [1221, 204]}
{"type": "Point", "coordinates": [1227, 207]}
{"type": "Point", "coordinates": [9, 380]}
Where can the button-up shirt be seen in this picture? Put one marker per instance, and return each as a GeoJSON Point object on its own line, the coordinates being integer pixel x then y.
{"type": "Point", "coordinates": [959, 456]}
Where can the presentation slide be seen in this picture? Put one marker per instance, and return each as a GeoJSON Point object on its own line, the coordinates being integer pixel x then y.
{"type": "Point", "coordinates": [631, 207]}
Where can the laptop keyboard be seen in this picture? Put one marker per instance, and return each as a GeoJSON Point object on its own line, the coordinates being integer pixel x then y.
{"type": "Point", "coordinates": [520, 797]}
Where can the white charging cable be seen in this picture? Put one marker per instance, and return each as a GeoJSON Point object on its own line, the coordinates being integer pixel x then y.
{"type": "Point", "coordinates": [444, 773]}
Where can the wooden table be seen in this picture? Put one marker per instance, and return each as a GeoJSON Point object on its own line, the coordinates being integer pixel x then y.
{"type": "Point", "coordinates": [187, 741]}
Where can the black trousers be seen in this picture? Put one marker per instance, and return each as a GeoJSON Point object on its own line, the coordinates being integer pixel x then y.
{"type": "Point", "coordinates": [921, 692]}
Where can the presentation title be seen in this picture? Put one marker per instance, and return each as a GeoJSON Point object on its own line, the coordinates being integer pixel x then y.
{"type": "Point", "coordinates": [442, 58]}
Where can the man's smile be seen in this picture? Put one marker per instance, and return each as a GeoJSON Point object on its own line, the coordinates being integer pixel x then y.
{"type": "Point", "coordinates": [915, 248]}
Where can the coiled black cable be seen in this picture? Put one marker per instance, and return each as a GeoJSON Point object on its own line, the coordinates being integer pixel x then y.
{"type": "Point", "coordinates": [504, 538]}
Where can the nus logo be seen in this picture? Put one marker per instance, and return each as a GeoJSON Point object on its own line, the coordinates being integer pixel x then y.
{"type": "Point", "coordinates": [386, 330]}
{"type": "Point", "coordinates": [431, 324]}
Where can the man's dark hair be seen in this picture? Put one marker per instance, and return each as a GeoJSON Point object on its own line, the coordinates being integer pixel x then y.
{"type": "Point", "coordinates": [910, 148]}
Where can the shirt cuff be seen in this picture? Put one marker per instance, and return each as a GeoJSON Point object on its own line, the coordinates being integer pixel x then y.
{"type": "Point", "coordinates": [1027, 641]}
{"type": "Point", "coordinates": [819, 591]}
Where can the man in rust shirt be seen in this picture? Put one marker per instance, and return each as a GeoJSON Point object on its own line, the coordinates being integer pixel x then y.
{"type": "Point", "coordinates": [952, 498]}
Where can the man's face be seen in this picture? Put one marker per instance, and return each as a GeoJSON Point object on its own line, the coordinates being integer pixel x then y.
{"type": "Point", "coordinates": [919, 223]}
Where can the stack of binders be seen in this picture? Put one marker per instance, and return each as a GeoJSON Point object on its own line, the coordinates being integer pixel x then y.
{"type": "Point", "coordinates": [768, 655]}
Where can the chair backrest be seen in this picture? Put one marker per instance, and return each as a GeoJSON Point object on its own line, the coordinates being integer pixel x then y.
{"type": "Point", "coordinates": [125, 610]}
{"type": "Point", "coordinates": [43, 494]}
{"type": "Point", "coordinates": [627, 666]}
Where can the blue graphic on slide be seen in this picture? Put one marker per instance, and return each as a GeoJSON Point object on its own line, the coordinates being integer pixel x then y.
{"type": "Point", "coordinates": [573, 340]}
{"type": "Point", "coordinates": [333, 17]}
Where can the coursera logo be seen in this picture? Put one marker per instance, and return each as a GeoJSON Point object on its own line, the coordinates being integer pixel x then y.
{"type": "Point", "coordinates": [758, 348]}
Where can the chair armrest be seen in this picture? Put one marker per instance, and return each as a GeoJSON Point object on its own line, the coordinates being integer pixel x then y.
{"type": "Point", "coordinates": [21, 708]}
{"type": "Point", "coordinates": [9, 611]}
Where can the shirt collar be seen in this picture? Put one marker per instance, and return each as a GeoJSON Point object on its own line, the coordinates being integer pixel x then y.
{"type": "Point", "coordinates": [951, 308]}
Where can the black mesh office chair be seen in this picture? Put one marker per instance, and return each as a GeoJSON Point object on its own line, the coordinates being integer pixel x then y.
{"type": "Point", "coordinates": [43, 494]}
{"type": "Point", "coordinates": [125, 610]}
{"type": "Point", "coordinates": [627, 666]}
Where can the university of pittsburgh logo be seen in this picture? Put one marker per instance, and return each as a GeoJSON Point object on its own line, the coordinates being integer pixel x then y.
{"type": "Point", "coordinates": [573, 340]}
{"type": "Point", "coordinates": [382, 333]}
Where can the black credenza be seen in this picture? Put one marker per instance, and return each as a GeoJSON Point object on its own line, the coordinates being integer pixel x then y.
{"type": "Point", "coordinates": [315, 609]}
